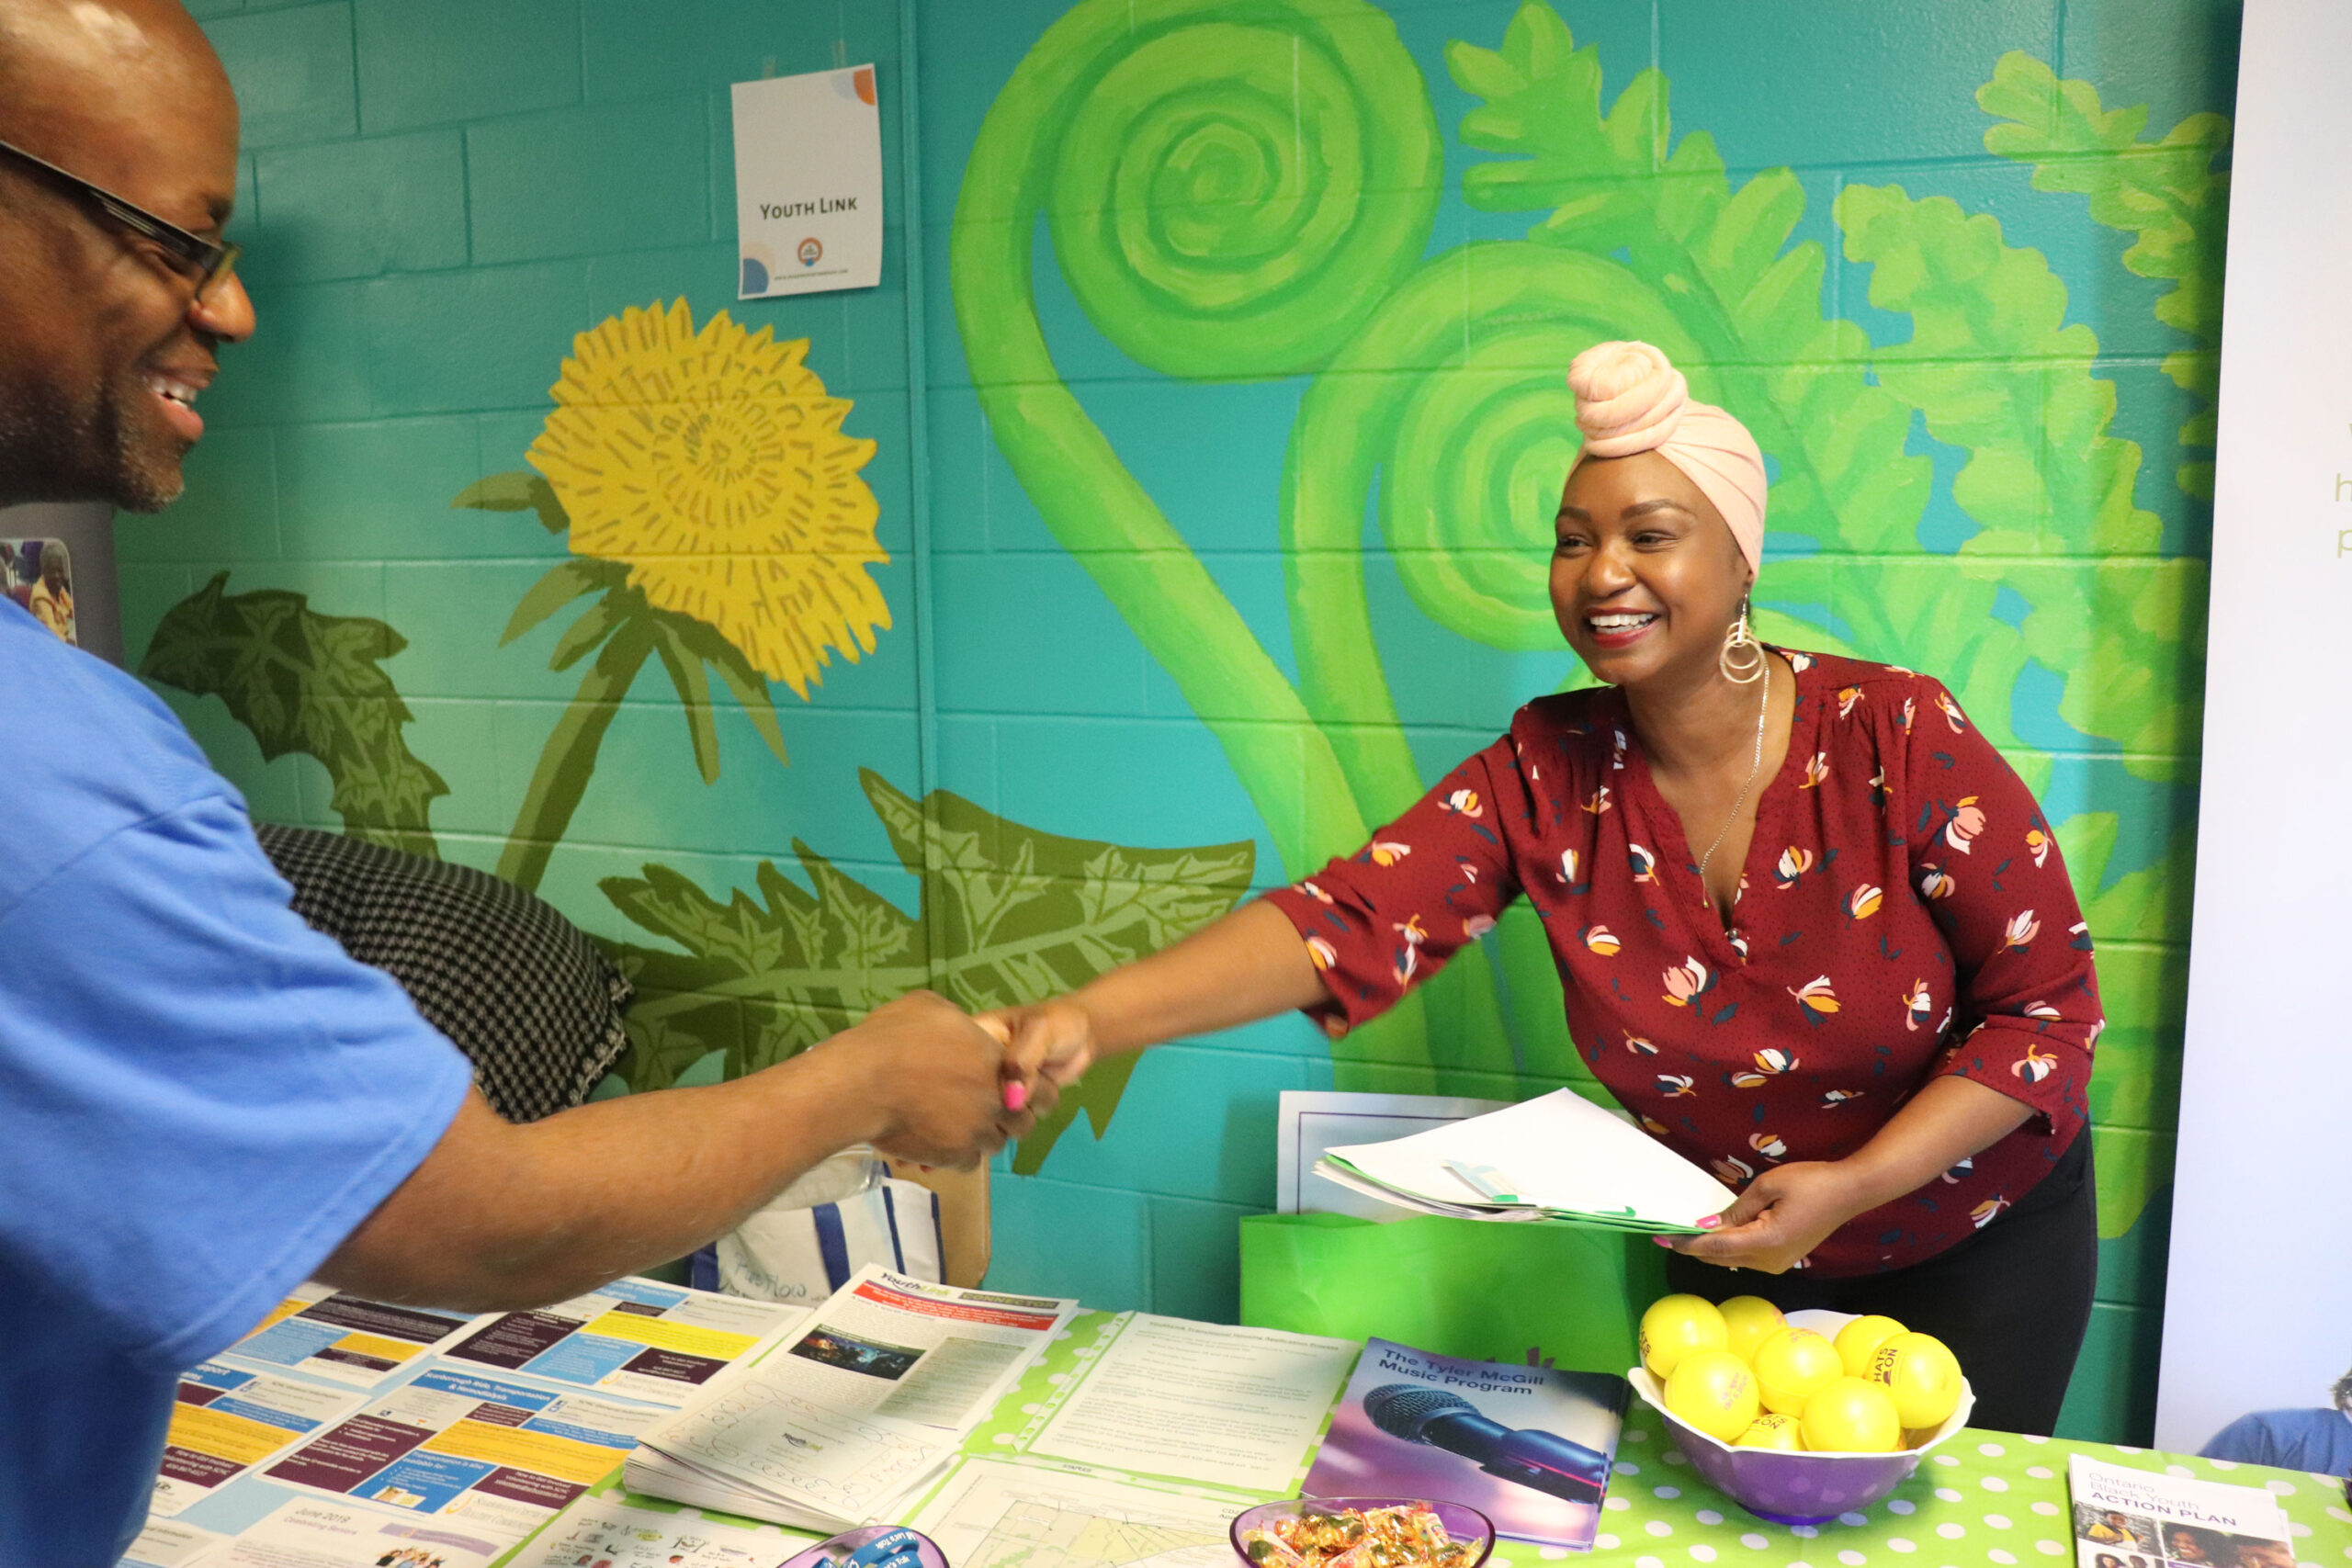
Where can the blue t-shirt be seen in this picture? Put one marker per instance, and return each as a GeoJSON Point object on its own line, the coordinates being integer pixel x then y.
{"type": "Point", "coordinates": [202, 1096]}
{"type": "Point", "coordinates": [2318, 1440]}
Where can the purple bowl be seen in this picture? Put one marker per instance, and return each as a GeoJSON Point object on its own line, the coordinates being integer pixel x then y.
{"type": "Point", "coordinates": [1800, 1488]}
{"type": "Point", "coordinates": [831, 1553]}
{"type": "Point", "coordinates": [1462, 1522]}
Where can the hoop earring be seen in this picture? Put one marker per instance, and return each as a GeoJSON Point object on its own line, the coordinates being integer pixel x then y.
{"type": "Point", "coordinates": [1742, 657]}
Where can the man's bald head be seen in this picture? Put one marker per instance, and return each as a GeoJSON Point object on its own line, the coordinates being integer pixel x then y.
{"type": "Point", "coordinates": [73, 71]}
{"type": "Point", "coordinates": [103, 344]}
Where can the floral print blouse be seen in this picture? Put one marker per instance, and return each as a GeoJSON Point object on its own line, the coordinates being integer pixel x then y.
{"type": "Point", "coordinates": [1903, 913]}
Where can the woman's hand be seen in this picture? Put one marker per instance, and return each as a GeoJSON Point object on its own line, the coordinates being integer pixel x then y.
{"type": "Point", "coordinates": [1785, 1213]}
{"type": "Point", "coordinates": [1051, 1041]}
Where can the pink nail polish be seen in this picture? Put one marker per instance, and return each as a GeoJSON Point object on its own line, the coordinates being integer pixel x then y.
{"type": "Point", "coordinates": [1661, 1241]}
{"type": "Point", "coordinates": [1711, 1221]}
{"type": "Point", "coordinates": [1016, 1095]}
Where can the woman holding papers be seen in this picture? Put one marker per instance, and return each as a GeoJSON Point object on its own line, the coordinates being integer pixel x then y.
{"type": "Point", "coordinates": [1813, 930]}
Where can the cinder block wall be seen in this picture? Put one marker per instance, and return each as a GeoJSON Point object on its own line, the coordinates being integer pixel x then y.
{"type": "Point", "coordinates": [437, 196]}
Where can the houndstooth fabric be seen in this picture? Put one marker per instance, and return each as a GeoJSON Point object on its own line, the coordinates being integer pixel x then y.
{"type": "Point", "coordinates": [521, 990]}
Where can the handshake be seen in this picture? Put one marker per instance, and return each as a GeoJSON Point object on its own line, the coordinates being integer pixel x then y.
{"type": "Point", "coordinates": [947, 1089]}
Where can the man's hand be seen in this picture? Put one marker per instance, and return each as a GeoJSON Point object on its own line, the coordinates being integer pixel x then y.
{"type": "Point", "coordinates": [1048, 1044]}
{"type": "Point", "coordinates": [1785, 1213]}
{"type": "Point", "coordinates": [936, 1080]}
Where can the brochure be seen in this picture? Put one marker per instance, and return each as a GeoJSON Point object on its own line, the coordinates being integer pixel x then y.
{"type": "Point", "coordinates": [505, 1454]}
{"type": "Point", "coordinates": [322, 1332]}
{"type": "Point", "coordinates": [1556, 1158]}
{"type": "Point", "coordinates": [1529, 1446]}
{"type": "Point", "coordinates": [308, 1532]}
{"type": "Point", "coordinates": [865, 1402]}
{"type": "Point", "coordinates": [1201, 1401]}
{"type": "Point", "coordinates": [228, 1419]}
{"type": "Point", "coordinates": [401, 1423]}
{"type": "Point", "coordinates": [662, 1344]}
{"type": "Point", "coordinates": [617, 1531]}
{"type": "Point", "coordinates": [2138, 1518]}
{"type": "Point", "coordinates": [999, 1513]}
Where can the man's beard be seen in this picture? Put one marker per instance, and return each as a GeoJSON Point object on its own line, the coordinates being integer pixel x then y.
{"type": "Point", "coordinates": [50, 454]}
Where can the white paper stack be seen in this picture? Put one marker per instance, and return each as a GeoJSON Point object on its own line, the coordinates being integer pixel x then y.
{"type": "Point", "coordinates": [866, 1403]}
{"type": "Point", "coordinates": [1557, 1157]}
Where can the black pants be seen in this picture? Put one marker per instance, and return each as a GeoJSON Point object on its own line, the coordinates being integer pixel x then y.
{"type": "Point", "coordinates": [2012, 1300]}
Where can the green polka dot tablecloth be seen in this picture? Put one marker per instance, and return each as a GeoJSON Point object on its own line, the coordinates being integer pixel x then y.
{"type": "Point", "coordinates": [1983, 1498]}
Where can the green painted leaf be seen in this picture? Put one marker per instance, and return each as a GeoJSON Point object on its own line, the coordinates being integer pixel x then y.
{"type": "Point", "coordinates": [705, 642]}
{"type": "Point", "coordinates": [307, 683]}
{"type": "Point", "coordinates": [2166, 193]}
{"type": "Point", "coordinates": [1993, 367]}
{"type": "Point", "coordinates": [2143, 988]}
{"type": "Point", "coordinates": [1749, 303]}
{"type": "Point", "coordinates": [567, 579]}
{"type": "Point", "coordinates": [1009, 914]}
{"type": "Point", "coordinates": [693, 684]}
{"type": "Point", "coordinates": [519, 491]}
{"type": "Point", "coordinates": [595, 623]}
{"type": "Point", "coordinates": [1719, 259]}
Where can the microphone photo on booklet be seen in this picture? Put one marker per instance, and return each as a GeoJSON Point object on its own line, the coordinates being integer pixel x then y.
{"type": "Point", "coordinates": [1528, 1446]}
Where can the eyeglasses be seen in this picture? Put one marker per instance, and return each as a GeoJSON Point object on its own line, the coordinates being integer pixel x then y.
{"type": "Point", "coordinates": [205, 262]}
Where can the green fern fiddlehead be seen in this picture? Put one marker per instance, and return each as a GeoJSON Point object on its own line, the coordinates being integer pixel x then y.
{"type": "Point", "coordinates": [1232, 186]}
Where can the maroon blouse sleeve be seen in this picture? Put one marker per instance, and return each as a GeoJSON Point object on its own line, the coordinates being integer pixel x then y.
{"type": "Point", "coordinates": [1983, 859]}
{"type": "Point", "coordinates": [1381, 920]}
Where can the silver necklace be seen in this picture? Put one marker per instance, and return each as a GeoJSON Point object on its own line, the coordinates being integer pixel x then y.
{"type": "Point", "coordinates": [1763, 705]}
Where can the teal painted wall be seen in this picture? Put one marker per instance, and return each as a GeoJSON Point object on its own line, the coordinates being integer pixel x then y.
{"type": "Point", "coordinates": [437, 197]}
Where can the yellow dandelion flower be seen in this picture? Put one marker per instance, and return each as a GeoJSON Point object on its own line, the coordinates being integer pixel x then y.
{"type": "Point", "coordinates": [713, 464]}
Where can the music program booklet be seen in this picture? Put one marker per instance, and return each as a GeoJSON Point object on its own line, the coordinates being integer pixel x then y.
{"type": "Point", "coordinates": [1529, 1446]}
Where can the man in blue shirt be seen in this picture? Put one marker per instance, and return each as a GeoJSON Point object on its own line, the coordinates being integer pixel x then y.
{"type": "Point", "coordinates": [2318, 1440]}
{"type": "Point", "coordinates": [205, 1102]}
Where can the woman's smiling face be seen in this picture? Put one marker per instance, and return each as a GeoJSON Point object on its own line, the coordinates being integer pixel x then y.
{"type": "Point", "coordinates": [1646, 575]}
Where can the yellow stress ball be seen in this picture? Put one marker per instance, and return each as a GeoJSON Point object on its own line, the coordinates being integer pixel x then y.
{"type": "Point", "coordinates": [1851, 1416]}
{"type": "Point", "coordinates": [1676, 1325]}
{"type": "Point", "coordinates": [1860, 1340]}
{"type": "Point", "coordinates": [1713, 1391]}
{"type": "Point", "coordinates": [1793, 1364]}
{"type": "Point", "coordinates": [1922, 1375]}
{"type": "Point", "coordinates": [1771, 1431]}
{"type": "Point", "coordinates": [1750, 1321]}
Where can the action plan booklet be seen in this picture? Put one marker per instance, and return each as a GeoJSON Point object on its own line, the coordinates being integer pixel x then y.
{"type": "Point", "coordinates": [2124, 1515]}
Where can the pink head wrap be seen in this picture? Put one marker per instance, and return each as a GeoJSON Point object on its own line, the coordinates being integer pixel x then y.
{"type": "Point", "coordinates": [1630, 400]}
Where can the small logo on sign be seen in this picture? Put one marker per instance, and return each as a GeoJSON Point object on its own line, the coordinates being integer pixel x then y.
{"type": "Point", "coordinates": [809, 253]}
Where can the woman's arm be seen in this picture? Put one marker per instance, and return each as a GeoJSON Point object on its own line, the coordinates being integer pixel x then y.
{"type": "Point", "coordinates": [1347, 943]}
{"type": "Point", "coordinates": [1250, 964]}
{"type": "Point", "coordinates": [1789, 1209]}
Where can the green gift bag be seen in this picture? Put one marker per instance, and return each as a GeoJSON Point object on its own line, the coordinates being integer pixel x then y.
{"type": "Point", "coordinates": [1546, 1293]}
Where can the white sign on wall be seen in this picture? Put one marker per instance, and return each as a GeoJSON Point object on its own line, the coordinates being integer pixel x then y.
{"type": "Point", "coordinates": [2259, 1301]}
{"type": "Point", "coordinates": [808, 183]}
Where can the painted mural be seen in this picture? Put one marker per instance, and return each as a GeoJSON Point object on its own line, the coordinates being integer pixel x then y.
{"type": "Point", "coordinates": [714, 518]}
{"type": "Point", "coordinates": [1210, 244]}
{"type": "Point", "coordinates": [1264, 305]}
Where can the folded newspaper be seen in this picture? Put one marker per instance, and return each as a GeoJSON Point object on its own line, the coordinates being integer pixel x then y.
{"type": "Point", "coordinates": [862, 1405]}
{"type": "Point", "coordinates": [1557, 1157]}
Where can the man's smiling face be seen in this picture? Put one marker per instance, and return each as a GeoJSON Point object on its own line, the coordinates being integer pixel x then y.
{"type": "Point", "coordinates": [103, 344]}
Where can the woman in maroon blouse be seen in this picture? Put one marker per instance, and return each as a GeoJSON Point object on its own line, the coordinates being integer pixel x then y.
{"type": "Point", "coordinates": [1813, 930]}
